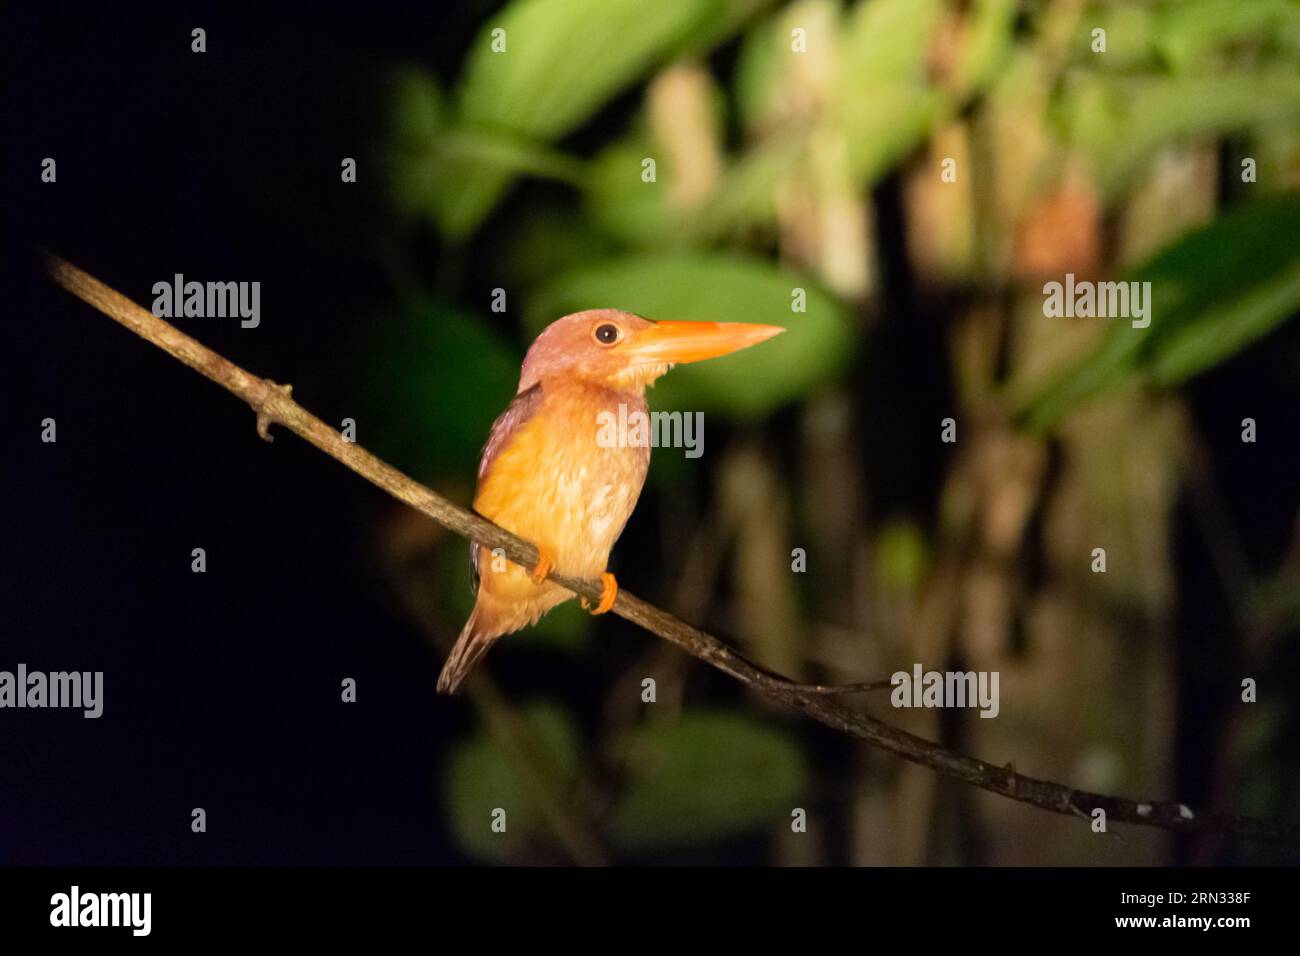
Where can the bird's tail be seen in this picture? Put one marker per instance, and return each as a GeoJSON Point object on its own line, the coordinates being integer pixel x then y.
{"type": "Point", "coordinates": [470, 647]}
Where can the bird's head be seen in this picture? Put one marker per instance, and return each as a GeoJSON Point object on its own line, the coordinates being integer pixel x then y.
{"type": "Point", "coordinates": [623, 351]}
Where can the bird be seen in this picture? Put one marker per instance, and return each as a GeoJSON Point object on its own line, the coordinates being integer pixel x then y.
{"type": "Point", "coordinates": [548, 477]}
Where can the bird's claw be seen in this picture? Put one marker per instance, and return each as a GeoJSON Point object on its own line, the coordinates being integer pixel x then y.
{"type": "Point", "coordinates": [545, 564]}
{"type": "Point", "coordinates": [608, 592]}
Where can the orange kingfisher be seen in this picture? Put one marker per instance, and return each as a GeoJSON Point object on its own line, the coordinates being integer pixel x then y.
{"type": "Point", "coordinates": [547, 478]}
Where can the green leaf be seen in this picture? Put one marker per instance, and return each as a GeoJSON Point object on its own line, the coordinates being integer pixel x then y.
{"type": "Point", "coordinates": [1233, 294]}
{"type": "Point", "coordinates": [623, 206]}
{"type": "Point", "coordinates": [987, 46]}
{"type": "Point", "coordinates": [1130, 38]}
{"type": "Point", "coordinates": [1213, 293]}
{"type": "Point", "coordinates": [563, 60]}
{"type": "Point", "coordinates": [480, 779]}
{"type": "Point", "coordinates": [430, 155]}
{"type": "Point", "coordinates": [884, 103]}
{"type": "Point", "coordinates": [626, 208]}
{"type": "Point", "coordinates": [885, 43]}
{"type": "Point", "coordinates": [705, 776]}
{"type": "Point", "coordinates": [718, 288]}
{"type": "Point", "coordinates": [759, 72]}
{"type": "Point", "coordinates": [1190, 32]}
{"type": "Point", "coordinates": [1120, 123]}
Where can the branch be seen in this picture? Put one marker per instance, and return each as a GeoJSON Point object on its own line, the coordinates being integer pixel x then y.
{"type": "Point", "coordinates": [273, 405]}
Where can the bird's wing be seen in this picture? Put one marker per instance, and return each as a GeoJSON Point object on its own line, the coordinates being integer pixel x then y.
{"type": "Point", "coordinates": [521, 408]}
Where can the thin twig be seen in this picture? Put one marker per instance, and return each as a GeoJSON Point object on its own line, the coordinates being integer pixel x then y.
{"type": "Point", "coordinates": [841, 690]}
{"type": "Point", "coordinates": [273, 405]}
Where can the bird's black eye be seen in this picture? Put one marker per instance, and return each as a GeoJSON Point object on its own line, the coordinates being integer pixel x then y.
{"type": "Point", "coordinates": [607, 334]}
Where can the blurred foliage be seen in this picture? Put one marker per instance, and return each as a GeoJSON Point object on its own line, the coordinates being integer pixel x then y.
{"type": "Point", "coordinates": [1120, 122]}
{"type": "Point", "coordinates": [767, 165]}
{"type": "Point", "coordinates": [1215, 292]}
{"type": "Point", "coordinates": [902, 553]}
{"type": "Point", "coordinates": [481, 779]}
{"type": "Point", "coordinates": [562, 59]}
{"type": "Point", "coordinates": [704, 776]}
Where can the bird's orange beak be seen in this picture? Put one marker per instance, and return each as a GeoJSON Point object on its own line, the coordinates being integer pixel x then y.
{"type": "Point", "coordinates": [674, 342]}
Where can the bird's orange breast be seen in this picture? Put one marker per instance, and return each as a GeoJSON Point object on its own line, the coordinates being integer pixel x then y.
{"type": "Point", "coordinates": [555, 485]}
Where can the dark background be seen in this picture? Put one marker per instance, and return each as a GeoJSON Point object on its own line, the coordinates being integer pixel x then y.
{"type": "Point", "coordinates": [222, 689]}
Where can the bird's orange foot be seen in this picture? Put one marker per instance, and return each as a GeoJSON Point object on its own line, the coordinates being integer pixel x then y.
{"type": "Point", "coordinates": [545, 564]}
{"type": "Point", "coordinates": [608, 592]}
